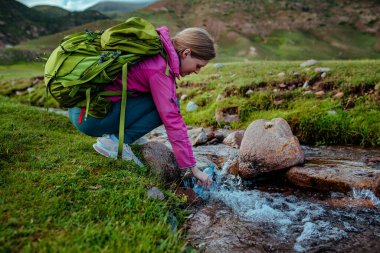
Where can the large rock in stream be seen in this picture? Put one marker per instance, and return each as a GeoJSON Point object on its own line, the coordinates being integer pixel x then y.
{"type": "Point", "coordinates": [333, 176]}
{"type": "Point", "coordinates": [268, 146]}
{"type": "Point", "coordinates": [161, 161]}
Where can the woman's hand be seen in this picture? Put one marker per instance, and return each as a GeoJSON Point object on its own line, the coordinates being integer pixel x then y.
{"type": "Point", "coordinates": [201, 176]}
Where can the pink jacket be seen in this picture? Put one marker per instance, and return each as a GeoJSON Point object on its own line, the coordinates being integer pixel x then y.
{"type": "Point", "coordinates": [149, 76]}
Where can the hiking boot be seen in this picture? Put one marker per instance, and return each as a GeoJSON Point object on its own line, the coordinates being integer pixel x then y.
{"type": "Point", "coordinates": [107, 145]}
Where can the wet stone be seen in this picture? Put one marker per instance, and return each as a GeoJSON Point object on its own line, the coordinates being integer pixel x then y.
{"type": "Point", "coordinates": [188, 193]}
{"type": "Point", "coordinates": [161, 161]}
{"type": "Point", "coordinates": [343, 202]}
{"type": "Point", "coordinates": [333, 176]}
{"type": "Point", "coordinates": [218, 154]}
{"type": "Point", "coordinates": [234, 139]}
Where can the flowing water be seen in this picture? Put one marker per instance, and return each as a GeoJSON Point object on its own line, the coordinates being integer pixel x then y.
{"type": "Point", "coordinates": [274, 216]}
{"type": "Point", "coordinates": [270, 214]}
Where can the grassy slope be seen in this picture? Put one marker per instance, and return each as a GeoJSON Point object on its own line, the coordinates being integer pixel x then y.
{"type": "Point", "coordinates": [333, 41]}
{"type": "Point", "coordinates": [57, 193]}
{"type": "Point", "coordinates": [25, 70]}
{"type": "Point", "coordinates": [341, 43]}
{"type": "Point", "coordinates": [49, 42]}
{"type": "Point", "coordinates": [353, 119]}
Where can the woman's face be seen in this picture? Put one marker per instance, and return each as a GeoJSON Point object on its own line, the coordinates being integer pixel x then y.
{"type": "Point", "coordinates": [190, 64]}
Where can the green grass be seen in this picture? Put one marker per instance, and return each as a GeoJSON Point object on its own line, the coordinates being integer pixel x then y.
{"type": "Point", "coordinates": [58, 195]}
{"type": "Point", "coordinates": [46, 44]}
{"type": "Point", "coordinates": [337, 42]}
{"type": "Point", "coordinates": [352, 119]}
{"type": "Point", "coordinates": [14, 72]}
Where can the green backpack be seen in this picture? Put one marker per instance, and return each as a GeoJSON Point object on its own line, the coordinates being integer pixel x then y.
{"type": "Point", "coordinates": [78, 69]}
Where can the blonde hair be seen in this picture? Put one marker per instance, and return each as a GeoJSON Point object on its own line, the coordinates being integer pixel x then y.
{"type": "Point", "coordinates": [198, 40]}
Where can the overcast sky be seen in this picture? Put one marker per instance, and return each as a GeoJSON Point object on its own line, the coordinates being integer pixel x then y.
{"type": "Point", "coordinates": [72, 5]}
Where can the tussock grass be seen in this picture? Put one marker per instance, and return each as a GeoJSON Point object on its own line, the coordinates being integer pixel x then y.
{"type": "Point", "coordinates": [351, 119]}
{"type": "Point", "coordinates": [58, 194]}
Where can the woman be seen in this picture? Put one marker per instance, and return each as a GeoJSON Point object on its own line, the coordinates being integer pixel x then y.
{"type": "Point", "coordinates": [156, 102]}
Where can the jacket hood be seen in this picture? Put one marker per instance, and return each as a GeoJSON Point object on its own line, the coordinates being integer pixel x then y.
{"type": "Point", "coordinates": [172, 55]}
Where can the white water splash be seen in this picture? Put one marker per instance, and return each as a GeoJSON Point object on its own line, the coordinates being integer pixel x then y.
{"type": "Point", "coordinates": [321, 231]}
{"type": "Point", "coordinates": [365, 194]}
{"type": "Point", "coordinates": [279, 213]}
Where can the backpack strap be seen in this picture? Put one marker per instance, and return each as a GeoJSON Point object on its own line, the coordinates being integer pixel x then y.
{"type": "Point", "coordinates": [122, 109]}
{"type": "Point", "coordinates": [88, 98]}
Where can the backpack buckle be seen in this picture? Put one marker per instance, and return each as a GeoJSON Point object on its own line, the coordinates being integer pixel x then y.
{"type": "Point", "coordinates": [102, 58]}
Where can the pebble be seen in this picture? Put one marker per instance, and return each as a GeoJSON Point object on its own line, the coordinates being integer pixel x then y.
{"type": "Point", "coordinates": [339, 95]}
{"type": "Point", "coordinates": [30, 89]}
{"type": "Point", "coordinates": [249, 92]}
{"type": "Point", "coordinates": [320, 93]}
{"type": "Point", "coordinates": [220, 97]}
{"type": "Point", "coordinates": [191, 106]}
{"type": "Point", "coordinates": [155, 193]}
{"type": "Point", "coordinates": [218, 65]}
{"type": "Point", "coordinates": [308, 63]}
{"type": "Point", "coordinates": [307, 92]}
{"type": "Point", "coordinates": [278, 102]}
{"type": "Point", "coordinates": [319, 70]}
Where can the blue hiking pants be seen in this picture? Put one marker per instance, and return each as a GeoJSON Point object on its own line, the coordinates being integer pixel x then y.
{"type": "Point", "coordinates": [141, 117]}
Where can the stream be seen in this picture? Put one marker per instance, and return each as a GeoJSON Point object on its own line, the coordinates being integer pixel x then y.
{"type": "Point", "coordinates": [272, 215]}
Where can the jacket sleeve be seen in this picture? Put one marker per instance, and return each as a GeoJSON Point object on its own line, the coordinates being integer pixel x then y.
{"type": "Point", "coordinates": [164, 95]}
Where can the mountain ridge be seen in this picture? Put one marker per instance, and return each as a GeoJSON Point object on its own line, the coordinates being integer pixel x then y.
{"type": "Point", "coordinates": [113, 8]}
{"type": "Point", "coordinates": [19, 22]}
{"type": "Point", "coordinates": [268, 29]}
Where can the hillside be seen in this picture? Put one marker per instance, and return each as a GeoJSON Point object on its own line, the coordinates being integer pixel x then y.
{"type": "Point", "coordinates": [280, 29]}
{"type": "Point", "coordinates": [51, 11]}
{"type": "Point", "coordinates": [265, 29]}
{"type": "Point", "coordinates": [325, 102]}
{"type": "Point", "coordinates": [19, 23]}
{"type": "Point", "coordinates": [113, 9]}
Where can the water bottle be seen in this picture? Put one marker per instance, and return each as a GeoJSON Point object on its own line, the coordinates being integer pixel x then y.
{"type": "Point", "coordinates": [200, 190]}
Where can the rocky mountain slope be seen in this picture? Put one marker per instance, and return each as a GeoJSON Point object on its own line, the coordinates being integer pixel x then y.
{"type": "Point", "coordinates": [339, 28]}
{"type": "Point", "coordinates": [113, 9]}
{"type": "Point", "coordinates": [19, 23]}
{"type": "Point", "coordinates": [246, 29]}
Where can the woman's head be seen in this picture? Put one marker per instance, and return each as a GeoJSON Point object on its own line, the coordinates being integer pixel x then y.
{"type": "Point", "coordinates": [195, 48]}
